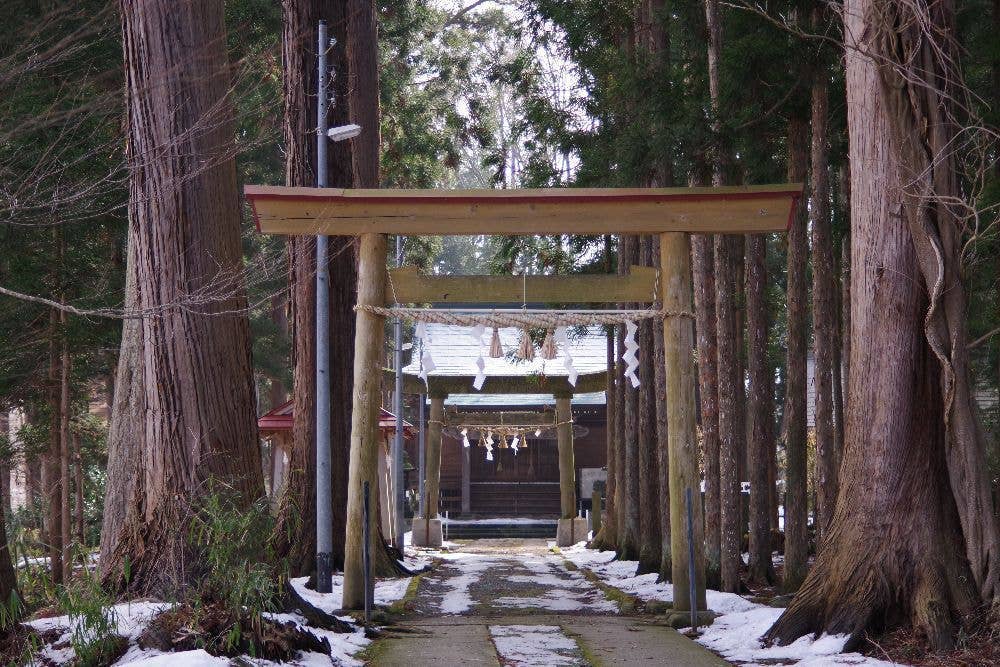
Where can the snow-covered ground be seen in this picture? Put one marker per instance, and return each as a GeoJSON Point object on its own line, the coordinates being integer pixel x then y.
{"type": "Point", "coordinates": [736, 633]}
{"type": "Point", "coordinates": [461, 573]}
{"type": "Point", "coordinates": [132, 618]}
{"type": "Point", "coordinates": [532, 645]}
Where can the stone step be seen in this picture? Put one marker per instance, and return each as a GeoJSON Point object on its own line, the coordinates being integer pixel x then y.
{"type": "Point", "coordinates": [496, 530]}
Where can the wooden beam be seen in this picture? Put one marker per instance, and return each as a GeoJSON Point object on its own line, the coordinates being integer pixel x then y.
{"type": "Point", "coordinates": [408, 285]}
{"type": "Point", "coordinates": [456, 418]}
{"type": "Point", "coordinates": [499, 384]}
{"type": "Point", "coordinates": [593, 211]}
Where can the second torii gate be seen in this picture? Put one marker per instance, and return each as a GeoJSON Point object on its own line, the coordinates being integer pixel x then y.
{"type": "Point", "coordinates": [672, 213]}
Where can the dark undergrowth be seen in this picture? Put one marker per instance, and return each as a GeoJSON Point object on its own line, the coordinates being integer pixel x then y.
{"type": "Point", "coordinates": [977, 644]}
{"type": "Point", "coordinates": [221, 632]}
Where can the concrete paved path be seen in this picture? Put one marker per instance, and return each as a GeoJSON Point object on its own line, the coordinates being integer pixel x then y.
{"type": "Point", "coordinates": [513, 603]}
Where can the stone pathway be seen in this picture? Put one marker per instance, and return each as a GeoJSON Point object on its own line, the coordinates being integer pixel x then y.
{"type": "Point", "coordinates": [514, 603]}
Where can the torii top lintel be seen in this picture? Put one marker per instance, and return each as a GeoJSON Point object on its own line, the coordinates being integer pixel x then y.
{"type": "Point", "coordinates": [591, 211]}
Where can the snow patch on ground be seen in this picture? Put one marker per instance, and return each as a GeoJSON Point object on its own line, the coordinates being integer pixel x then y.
{"type": "Point", "coordinates": [736, 633]}
{"type": "Point", "coordinates": [457, 599]}
{"type": "Point", "coordinates": [530, 645]}
{"type": "Point", "coordinates": [561, 600]}
{"type": "Point", "coordinates": [387, 591]}
{"type": "Point", "coordinates": [133, 617]}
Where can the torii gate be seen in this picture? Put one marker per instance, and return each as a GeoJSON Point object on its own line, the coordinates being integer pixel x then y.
{"type": "Point", "coordinates": [672, 213]}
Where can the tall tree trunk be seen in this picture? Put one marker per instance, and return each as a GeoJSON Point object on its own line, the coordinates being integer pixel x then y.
{"type": "Point", "coordinates": [50, 460]}
{"type": "Point", "coordinates": [10, 596]}
{"type": "Point", "coordinates": [128, 408]}
{"type": "Point", "coordinates": [295, 527]}
{"type": "Point", "coordinates": [362, 52]}
{"type": "Point", "coordinates": [80, 524]}
{"type": "Point", "coordinates": [629, 535]}
{"type": "Point", "coordinates": [913, 535]}
{"type": "Point", "coordinates": [728, 382]}
{"type": "Point", "coordinates": [729, 483]}
{"type": "Point", "coordinates": [703, 260]}
{"type": "Point", "coordinates": [190, 363]}
{"type": "Point", "coordinates": [607, 537]}
{"type": "Point", "coordinates": [650, 500]}
{"type": "Point", "coordinates": [706, 289]}
{"type": "Point", "coordinates": [760, 412]}
{"type": "Point", "coordinates": [278, 393]}
{"type": "Point", "coordinates": [662, 443]}
{"type": "Point", "coordinates": [621, 491]}
{"type": "Point", "coordinates": [845, 287]}
{"type": "Point", "coordinates": [739, 346]}
{"type": "Point", "coordinates": [823, 303]}
{"type": "Point", "coordinates": [5, 463]}
{"type": "Point", "coordinates": [65, 520]}
{"type": "Point", "coordinates": [796, 478]}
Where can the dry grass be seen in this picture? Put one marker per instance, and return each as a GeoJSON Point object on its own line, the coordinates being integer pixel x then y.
{"type": "Point", "coordinates": [976, 645]}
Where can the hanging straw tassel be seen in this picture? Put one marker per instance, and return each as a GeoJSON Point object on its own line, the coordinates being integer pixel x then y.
{"type": "Point", "coordinates": [496, 349]}
{"type": "Point", "coordinates": [549, 349]}
{"type": "Point", "coordinates": [526, 351]}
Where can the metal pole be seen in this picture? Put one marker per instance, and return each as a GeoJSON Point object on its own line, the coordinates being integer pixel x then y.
{"type": "Point", "coordinates": [692, 589]}
{"type": "Point", "coordinates": [324, 494]}
{"type": "Point", "coordinates": [366, 555]}
{"type": "Point", "coordinates": [397, 442]}
{"type": "Point", "coordinates": [421, 472]}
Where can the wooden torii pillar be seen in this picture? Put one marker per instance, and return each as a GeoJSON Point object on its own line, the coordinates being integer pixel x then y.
{"type": "Point", "coordinates": [671, 212]}
{"type": "Point", "coordinates": [571, 527]}
{"type": "Point", "coordinates": [427, 529]}
{"type": "Point", "coordinates": [369, 341]}
{"type": "Point", "coordinates": [682, 443]}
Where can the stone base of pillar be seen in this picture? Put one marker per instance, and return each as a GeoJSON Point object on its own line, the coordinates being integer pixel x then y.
{"type": "Point", "coordinates": [425, 535]}
{"type": "Point", "coordinates": [571, 531]}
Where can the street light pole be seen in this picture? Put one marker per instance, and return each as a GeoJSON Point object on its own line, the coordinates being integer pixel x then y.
{"type": "Point", "coordinates": [324, 491]}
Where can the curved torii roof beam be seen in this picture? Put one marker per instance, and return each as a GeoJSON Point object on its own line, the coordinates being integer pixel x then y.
{"type": "Point", "coordinates": [342, 212]}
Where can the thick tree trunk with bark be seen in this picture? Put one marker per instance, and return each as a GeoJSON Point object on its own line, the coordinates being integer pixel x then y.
{"type": "Point", "coordinates": [295, 530]}
{"type": "Point", "coordinates": [621, 499]}
{"type": "Point", "coordinates": [65, 520]}
{"type": "Point", "coordinates": [662, 442]}
{"type": "Point", "coordinates": [9, 592]}
{"type": "Point", "coordinates": [703, 261]}
{"type": "Point", "coordinates": [81, 535]}
{"type": "Point", "coordinates": [5, 462]}
{"type": "Point", "coordinates": [650, 500]}
{"type": "Point", "coordinates": [796, 479]}
{"type": "Point", "coordinates": [920, 103]}
{"type": "Point", "coordinates": [760, 412]}
{"type": "Point", "coordinates": [729, 483]}
{"type": "Point", "coordinates": [51, 478]}
{"type": "Point", "coordinates": [607, 537]}
{"type": "Point", "coordinates": [913, 535]}
{"type": "Point", "coordinates": [629, 538]}
{"type": "Point", "coordinates": [824, 304]}
{"type": "Point", "coordinates": [189, 359]}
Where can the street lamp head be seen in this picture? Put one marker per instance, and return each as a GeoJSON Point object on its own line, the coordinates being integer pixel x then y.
{"type": "Point", "coordinates": [342, 132]}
